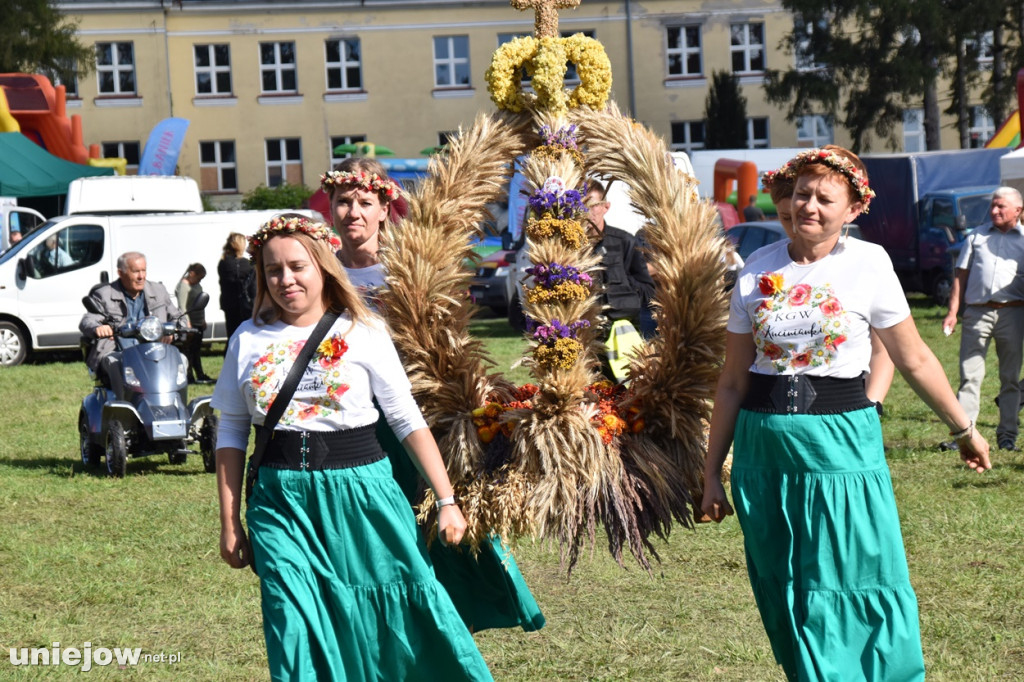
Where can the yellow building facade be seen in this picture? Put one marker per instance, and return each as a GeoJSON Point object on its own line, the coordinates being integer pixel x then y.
{"type": "Point", "coordinates": [271, 88]}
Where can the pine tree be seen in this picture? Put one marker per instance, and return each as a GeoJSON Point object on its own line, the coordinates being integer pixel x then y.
{"type": "Point", "coordinates": [725, 113]}
{"type": "Point", "coordinates": [35, 37]}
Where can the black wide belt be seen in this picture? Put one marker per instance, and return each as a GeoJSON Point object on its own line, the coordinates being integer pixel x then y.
{"type": "Point", "coordinates": [319, 450]}
{"type": "Point", "coordinates": [804, 394]}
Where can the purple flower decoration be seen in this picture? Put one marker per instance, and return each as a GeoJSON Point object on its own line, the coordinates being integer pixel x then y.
{"type": "Point", "coordinates": [549, 333]}
{"type": "Point", "coordinates": [551, 275]}
{"type": "Point", "coordinates": [567, 204]}
{"type": "Point", "coordinates": [565, 137]}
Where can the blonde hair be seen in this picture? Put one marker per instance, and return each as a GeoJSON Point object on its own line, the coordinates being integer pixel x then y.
{"type": "Point", "coordinates": [338, 293]}
{"type": "Point", "coordinates": [235, 245]}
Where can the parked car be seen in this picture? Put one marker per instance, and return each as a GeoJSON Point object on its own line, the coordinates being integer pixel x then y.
{"type": "Point", "coordinates": [749, 237]}
{"type": "Point", "coordinates": [489, 286]}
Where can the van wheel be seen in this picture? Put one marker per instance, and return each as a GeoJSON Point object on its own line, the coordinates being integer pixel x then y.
{"type": "Point", "coordinates": [13, 344]}
{"type": "Point", "coordinates": [942, 285]}
{"type": "Point", "coordinates": [117, 449]}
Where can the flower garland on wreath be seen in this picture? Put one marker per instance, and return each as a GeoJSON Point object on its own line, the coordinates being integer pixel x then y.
{"type": "Point", "coordinates": [557, 457]}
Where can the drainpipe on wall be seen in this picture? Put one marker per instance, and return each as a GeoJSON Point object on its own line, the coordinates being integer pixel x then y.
{"type": "Point", "coordinates": [629, 59]}
{"type": "Point", "coordinates": [167, 61]}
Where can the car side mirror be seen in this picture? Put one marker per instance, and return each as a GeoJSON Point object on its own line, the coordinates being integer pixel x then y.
{"type": "Point", "coordinates": [21, 271]}
{"type": "Point", "coordinates": [961, 223]}
{"type": "Point", "coordinates": [506, 240]}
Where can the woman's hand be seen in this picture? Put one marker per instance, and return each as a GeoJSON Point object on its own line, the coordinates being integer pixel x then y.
{"type": "Point", "coordinates": [975, 452]}
{"type": "Point", "coordinates": [715, 504]}
{"type": "Point", "coordinates": [451, 525]}
{"type": "Point", "coordinates": [234, 545]}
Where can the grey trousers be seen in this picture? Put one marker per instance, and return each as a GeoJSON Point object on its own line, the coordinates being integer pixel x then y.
{"type": "Point", "coordinates": [980, 326]}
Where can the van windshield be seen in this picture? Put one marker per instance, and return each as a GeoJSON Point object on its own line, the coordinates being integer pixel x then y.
{"type": "Point", "coordinates": [13, 252]}
{"type": "Point", "coordinates": [975, 209]}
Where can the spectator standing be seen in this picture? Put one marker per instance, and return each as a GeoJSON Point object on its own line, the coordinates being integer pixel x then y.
{"type": "Point", "coordinates": [237, 283]}
{"type": "Point", "coordinates": [752, 211]}
{"type": "Point", "coordinates": [990, 281]}
{"type": "Point", "coordinates": [186, 292]}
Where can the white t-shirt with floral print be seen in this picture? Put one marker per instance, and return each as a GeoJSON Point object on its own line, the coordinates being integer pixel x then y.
{"type": "Point", "coordinates": [352, 365]}
{"type": "Point", "coordinates": [815, 319]}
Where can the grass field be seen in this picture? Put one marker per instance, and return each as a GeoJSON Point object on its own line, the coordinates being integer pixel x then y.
{"type": "Point", "coordinates": [134, 562]}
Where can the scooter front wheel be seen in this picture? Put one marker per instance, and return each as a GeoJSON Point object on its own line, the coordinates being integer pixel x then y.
{"type": "Point", "coordinates": [117, 449]}
{"type": "Point", "coordinates": [208, 443]}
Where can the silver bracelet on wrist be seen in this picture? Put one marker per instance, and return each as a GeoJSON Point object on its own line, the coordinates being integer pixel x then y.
{"type": "Point", "coordinates": [445, 502]}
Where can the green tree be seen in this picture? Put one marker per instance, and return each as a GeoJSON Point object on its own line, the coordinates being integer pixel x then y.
{"type": "Point", "coordinates": [35, 37]}
{"type": "Point", "coordinates": [725, 113]}
{"type": "Point", "coordinates": [281, 197]}
{"type": "Point", "coordinates": [864, 63]}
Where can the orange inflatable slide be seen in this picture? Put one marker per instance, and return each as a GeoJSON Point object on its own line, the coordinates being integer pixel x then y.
{"type": "Point", "coordinates": [39, 109]}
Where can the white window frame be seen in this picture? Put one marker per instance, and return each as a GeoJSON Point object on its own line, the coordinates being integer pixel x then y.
{"type": "Point", "coordinates": [219, 164]}
{"type": "Point", "coordinates": [982, 128]}
{"type": "Point", "coordinates": [116, 150]}
{"type": "Point", "coordinates": [116, 68]}
{"type": "Point", "coordinates": [451, 63]}
{"type": "Point", "coordinates": [70, 89]}
{"type": "Point", "coordinates": [814, 130]}
{"type": "Point", "coordinates": [279, 68]}
{"type": "Point", "coordinates": [285, 161]}
{"type": "Point", "coordinates": [913, 130]}
{"type": "Point", "coordinates": [803, 60]}
{"type": "Point", "coordinates": [759, 142]}
{"type": "Point", "coordinates": [684, 51]}
{"type": "Point", "coordinates": [213, 69]}
{"type": "Point", "coordinates": [749, 50]}
{"type": "Point", "coordinates": [343, 64]}
{"type": "Point", "coordinates": [687, 144]}
{"type": "Point", "coordinates": [983, 43]}
{"type": "Point", "coordinates": [342, 139]}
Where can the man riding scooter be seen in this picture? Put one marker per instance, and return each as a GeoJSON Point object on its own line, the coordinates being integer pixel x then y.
{"type": "Point", "coordinates": [128, 300]}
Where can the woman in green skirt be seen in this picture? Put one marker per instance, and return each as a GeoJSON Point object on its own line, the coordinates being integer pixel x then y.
{"type": "Point", "coordinates": [347, 589]}
{"type": "Point", "coordinates": [809, 479]}
{"type": "Point", "coordinates": [487, 588]}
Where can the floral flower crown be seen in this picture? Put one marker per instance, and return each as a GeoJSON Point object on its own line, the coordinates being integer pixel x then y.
{"type": "Point", "coordinates": [370, 182]}
{"type": "Point", "coordinates": [836, 162]}
{"type": "Point", "coordinates": [291, 225]}
{"type": "Point", "coordinates": [771, 176]}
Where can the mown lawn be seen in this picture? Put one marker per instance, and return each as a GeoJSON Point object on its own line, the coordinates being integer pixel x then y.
{"type": "Point", "coordinates": [134, 562]}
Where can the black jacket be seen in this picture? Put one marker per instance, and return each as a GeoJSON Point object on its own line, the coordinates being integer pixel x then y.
{"type": "Point", "coordinates": [628, 286]}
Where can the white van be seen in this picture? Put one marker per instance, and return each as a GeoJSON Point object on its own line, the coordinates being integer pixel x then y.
{"type": "Point", "coordinates": [41, 294]}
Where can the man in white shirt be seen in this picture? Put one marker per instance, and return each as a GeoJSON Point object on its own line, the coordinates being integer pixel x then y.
{"type": "Point", "coordinates": [990, 279]}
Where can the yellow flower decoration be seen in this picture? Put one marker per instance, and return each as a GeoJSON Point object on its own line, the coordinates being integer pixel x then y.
{"type": "Point", "coordinates": [545, 61]}
{"type": "Point", "coordinates": [571, 231]}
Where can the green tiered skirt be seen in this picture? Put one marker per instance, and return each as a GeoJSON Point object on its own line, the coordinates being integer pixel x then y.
{"type": "Point", "coordinates": [347, 587]}
{"type": "Point", "coordinates": [488, 589]}
{"type": "Point", "coordinates": [824, 550]}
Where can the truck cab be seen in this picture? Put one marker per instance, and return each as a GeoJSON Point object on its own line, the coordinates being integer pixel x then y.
{"type": "Point", "coordinates": [946, 218]}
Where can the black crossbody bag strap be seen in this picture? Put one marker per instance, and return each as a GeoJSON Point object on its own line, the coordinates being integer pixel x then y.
{"type": "Point", "coordinates": [284, 397]}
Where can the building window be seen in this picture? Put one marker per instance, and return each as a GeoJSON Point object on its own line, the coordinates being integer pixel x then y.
{"type": "Point", "coordinates": [687, 136]}
{"type": "Point", "coordinates": [503, 38]}
{"type": "Point", "coordinates": [814, 131]}
{"type": "Point", "coordinates": [571, 76]}
{"type": "Point", "coordinates": [747, 47]}
{"type": "Point", "coordinates": [982, 127]}
{"type": "Point", "coordinates": [913, 130]}
{"type": "Point", "coordinates": [213, 69]}
{"type": "Point", "coordinates": [683, 51]}
{"type": "Point", "coordinates": [218, 171]}
{"type": "Point", "coordinates": [338, 140]}
{"type": "Point", "coordinates": [757, 133]}
{"type": "Point", "coordinates": [981, 49]}
{"type": "Point", "coordinates": [344, 64]}
{"type": "Point", "coordinates": [66, 76]}
{"type": "Point", "coordinates": [115, 68]}
{"type": "Point", "coordinates": [277, 67]}
{"type": "Point", "coordinates": [129, 151]}
{"type": "Point", "coordinates": [803, 50]}
{"type": "Point", "coordinates": [284, 161]}
{"type": "Point", "coordinates": [451, 61]}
